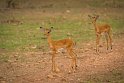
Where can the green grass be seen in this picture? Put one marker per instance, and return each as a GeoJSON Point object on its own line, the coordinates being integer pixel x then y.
{"type": "Point", "coordinates": [22, 37]}
{"type": "Point", "coordinates": [28, 34]}
{"type": "Point", "coordinates": [14, 37]}
{"type": "Point", "coordinates": [117, 25]}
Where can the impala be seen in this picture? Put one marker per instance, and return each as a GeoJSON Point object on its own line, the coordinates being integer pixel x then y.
{"type": "Point", "coordinates": [57, 45]}
{"type": "Point", "coordinates": [99, 29]}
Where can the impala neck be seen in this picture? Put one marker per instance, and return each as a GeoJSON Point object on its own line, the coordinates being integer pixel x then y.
{"type": "Point", "coordinates": [95, 25]}
{"type": "Point", "coordinates": [49, 39]}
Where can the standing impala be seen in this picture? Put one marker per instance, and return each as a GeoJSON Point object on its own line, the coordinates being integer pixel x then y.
{"type": "Point", "coordinates": [99, 29]}
{"type": "Point", "coordinates": [55, 46]}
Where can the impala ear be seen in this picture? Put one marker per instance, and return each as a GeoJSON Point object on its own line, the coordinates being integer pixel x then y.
{"type": "Point", "coordinates": [89, 16]}
{"type": "Point", "coordinates": [42, 29]}
{"type": "Point", "coordinates": [51, 27]}
{"type": "Point", "coordinates": [97, 16]}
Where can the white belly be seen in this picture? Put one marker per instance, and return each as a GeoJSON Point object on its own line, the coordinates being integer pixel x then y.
{"type": "Point", "coordinates": [61, 50]}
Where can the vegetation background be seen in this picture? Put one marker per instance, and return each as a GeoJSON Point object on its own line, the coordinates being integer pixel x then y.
{"type": "Point", "coordinates": [21, 40]}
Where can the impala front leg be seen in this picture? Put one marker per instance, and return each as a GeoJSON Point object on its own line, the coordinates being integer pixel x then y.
{"type": "Point", "coordinates": [54, 66]}
{"type": "Point", "coordinates": [106, 36]}
{"type": "Point", "coordinates": [53, 62]}
{"type": "Point", "coordinates": [97, 42]}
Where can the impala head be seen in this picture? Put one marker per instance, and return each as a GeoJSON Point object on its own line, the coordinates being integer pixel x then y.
{"type": "Point", "coordinates": [93, 18]}
{"type": "Point", "coordinates": [45, 31]}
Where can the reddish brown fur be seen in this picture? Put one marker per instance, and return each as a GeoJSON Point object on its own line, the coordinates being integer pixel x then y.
{"type": "Point", "coordinates": [67, 44]}
{"type": "Point", "coordinates": [99, 29]}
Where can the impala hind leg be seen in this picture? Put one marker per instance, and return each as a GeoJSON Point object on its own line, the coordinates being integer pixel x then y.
{"type": "Point", "coordinates": [73, 62]}
{"type": "Point", "coordinates": [75, 57]}
{"type": "Point", "coordinates": [110, 39]}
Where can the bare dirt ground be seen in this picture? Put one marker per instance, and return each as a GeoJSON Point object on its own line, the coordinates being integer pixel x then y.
{"type": "Point", "coordinates": [35, 67]}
